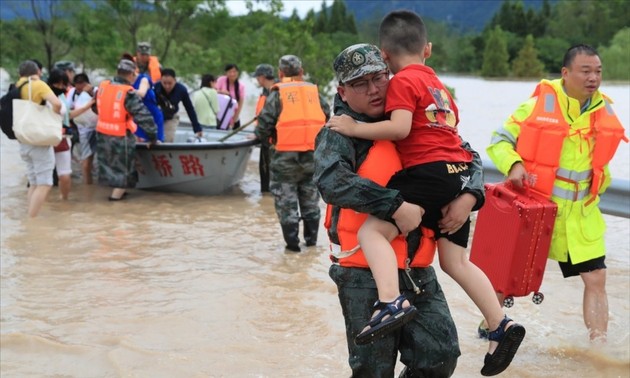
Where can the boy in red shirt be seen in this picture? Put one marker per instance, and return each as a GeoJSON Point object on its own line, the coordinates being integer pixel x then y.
{"type": "Point", "coordinates": [423, 122]}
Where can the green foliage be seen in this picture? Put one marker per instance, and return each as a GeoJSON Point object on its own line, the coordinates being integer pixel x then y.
{"type": "Point", "coordinates": [495, 55]}
{"type": "Point", "coordinates": [513, 17]}
{"type": "Point", "coordinates": [466, 57]}
{"type": "Point", "coordinates": [551, 51]}
{"type": "Point", "coordinates": [587, 21]}
{"type": "Point", "coordinates": [17, 45]}
{"type": "Point", "coordinates": [451, 90]}
{"type": "Point", "coordinates": [615, 57]}
{"type": "Point", "coordinates": [443, 40]}
{"type": "Point", "coordinates": [527, 63]}
{"type": "Point", "coordinates": [200, 36]}
{"type": "Point", "coordinates": [321, 23]}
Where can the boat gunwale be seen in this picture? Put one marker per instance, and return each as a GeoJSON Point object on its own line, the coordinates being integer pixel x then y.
{"type": "Point", "coordinates": [211, 145]}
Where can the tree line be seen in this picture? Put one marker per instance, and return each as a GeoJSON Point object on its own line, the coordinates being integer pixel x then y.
{"type": "Point", "coordinates": [200, 36]}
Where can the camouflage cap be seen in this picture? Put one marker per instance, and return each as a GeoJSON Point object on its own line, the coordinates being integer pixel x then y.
{"type": "Point", "coordinates": [265, 70]}
{"type": "Point", "coordinates": [358, 60]}
{"type": "Point", "coordinates": [64, 65]}
{"type": "Point", "coordinates": [144, 48]}
{"type": "Point", "coordinates": [290, 65]}
{"type": "Point", "coordinates": [126, 65]}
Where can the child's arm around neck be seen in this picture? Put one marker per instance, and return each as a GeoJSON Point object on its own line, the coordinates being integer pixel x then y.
{"type": "Point", "coordinates": [396, 128]}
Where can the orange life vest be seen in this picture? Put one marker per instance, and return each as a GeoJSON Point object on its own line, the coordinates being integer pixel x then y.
{"type": "Point", "coordinates": [301, 117]}
{"type": "Point", "coordinates": [542, 136]}
{"type": "Point", "coordinates": [113, 118]}
{"type": "Point", "coordinates": [260, 104]}
{"type": "Point", "coordinates": [153, 67]}
{"type": "Point", "coordinates": [609, 132]}
{"type": "Point", "coordinates": [380, 164]}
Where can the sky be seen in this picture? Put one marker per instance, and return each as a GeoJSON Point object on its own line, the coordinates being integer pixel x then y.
{"type": "Point", "coordinates": [237, 7]}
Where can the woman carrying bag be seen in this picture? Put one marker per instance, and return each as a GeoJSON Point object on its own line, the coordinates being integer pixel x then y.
{"type": "Point", "coordinates": [39, 159]}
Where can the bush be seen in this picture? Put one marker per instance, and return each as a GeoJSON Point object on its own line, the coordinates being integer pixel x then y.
{"type": "Point", "coordinates": [615, 57]}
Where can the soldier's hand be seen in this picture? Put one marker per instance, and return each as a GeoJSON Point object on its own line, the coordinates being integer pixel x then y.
{"type": "Point", "coordinates": [456, 213]}
{"type": "Point", "coordinates": [343, 124]}
{"type": "Point", "coordinates": [518, 175]}
{"type": "Point", "coordinates": [408, 217]}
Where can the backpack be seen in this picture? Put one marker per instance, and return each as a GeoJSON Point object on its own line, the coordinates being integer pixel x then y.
{"type": "Point", "coordinates": [6, 110]}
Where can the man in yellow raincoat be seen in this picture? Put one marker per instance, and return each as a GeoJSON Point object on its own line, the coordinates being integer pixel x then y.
{"type": "Point", "coordinates": [560, 141]}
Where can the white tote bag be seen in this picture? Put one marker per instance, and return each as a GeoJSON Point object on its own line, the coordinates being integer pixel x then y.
{"type": "Point", "coordinates": [37, 125]}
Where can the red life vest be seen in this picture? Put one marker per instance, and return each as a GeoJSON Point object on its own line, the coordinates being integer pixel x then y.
{"type": "Point", "coordinates": [301, 117]}
{"type": "Point", "coordinates": [113, 118]}
{"type": "Point", "coordinates": [380, 164]}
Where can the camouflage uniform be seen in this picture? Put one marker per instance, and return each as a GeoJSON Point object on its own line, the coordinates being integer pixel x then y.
{"type": "Point", "coordinates": [263, 160]}
{"type": "Point", "coordinates": [116, 156]}
{"type": "Point", "coordinates": [428, 345]}
{"type": "Point", "coordinates": [265, 70]}
{"type": "Point", "coordinates": [291, 176]}
{"type": "Point", "coordinates": [144, 48]}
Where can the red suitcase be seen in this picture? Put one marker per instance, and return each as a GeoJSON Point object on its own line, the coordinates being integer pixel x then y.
{"type": "Point", "coordinates": [511, 240]}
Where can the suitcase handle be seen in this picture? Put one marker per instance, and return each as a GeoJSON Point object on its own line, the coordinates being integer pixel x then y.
{"type": "Point", "coordinates": [505, 197]}
{"type": "Point", "coordinates": [505, 192]}
{"type": "Point", "coordinates": [526, 189]}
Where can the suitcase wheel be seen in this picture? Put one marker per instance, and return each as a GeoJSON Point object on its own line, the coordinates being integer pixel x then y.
{"type": "Point", "coordinates": [538, 298]}
{"type": "Point", "coordinates": [508, 301]}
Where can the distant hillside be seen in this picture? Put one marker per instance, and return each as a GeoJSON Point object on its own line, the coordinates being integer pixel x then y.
{"type": "Point", "coordinates": [466, 15]}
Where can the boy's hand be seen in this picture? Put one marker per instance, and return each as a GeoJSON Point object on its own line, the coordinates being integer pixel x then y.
{"type": "Point", "coordinates": [456, 213]}
{"type": "Point", "coordinates": [408, 217]}
{"type": "Point", "coordinates": [343, 124]}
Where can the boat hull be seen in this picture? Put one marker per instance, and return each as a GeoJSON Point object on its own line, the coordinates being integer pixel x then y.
{"type": "Point", "coordinates": [207, 167]}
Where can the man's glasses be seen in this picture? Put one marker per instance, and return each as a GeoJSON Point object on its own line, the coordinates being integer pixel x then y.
{"type": "Point", "coordinates": [362, 86]}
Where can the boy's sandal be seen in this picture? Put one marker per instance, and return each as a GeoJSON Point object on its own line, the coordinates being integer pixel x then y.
{"type": "Point", "coordinates": [482, 331]}
{"type": "Point", "coordinates": [391, 317]}
{"type": "Point", "coordinates": [509, 340]}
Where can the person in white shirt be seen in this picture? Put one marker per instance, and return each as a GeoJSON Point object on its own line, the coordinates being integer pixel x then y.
{"type": "Point", "coordinates": [81, 101]}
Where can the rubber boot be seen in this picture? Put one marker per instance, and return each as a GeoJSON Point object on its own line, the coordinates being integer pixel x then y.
{"type": "Point", "coordinates": [311, 227]}
{"type": "Point", "coordinates": [290, 234]}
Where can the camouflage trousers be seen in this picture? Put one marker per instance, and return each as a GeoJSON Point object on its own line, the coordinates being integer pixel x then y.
{"type": "Point", "coordinates": [292, 185]}
{"type": "Point", "coordinates": [428, 345]}
{"type": "Point", "coordinates": [116, 157]}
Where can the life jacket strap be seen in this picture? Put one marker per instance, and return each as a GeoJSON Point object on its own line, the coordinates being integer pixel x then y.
{"type": "Point", "coordinates": [338, 253]}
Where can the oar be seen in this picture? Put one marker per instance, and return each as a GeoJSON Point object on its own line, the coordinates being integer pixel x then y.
{"type": "Point", "coordinates": [233, 132]}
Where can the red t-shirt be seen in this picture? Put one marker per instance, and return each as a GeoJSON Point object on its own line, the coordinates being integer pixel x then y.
{"type": "Point", "coordinates": [433, 136]}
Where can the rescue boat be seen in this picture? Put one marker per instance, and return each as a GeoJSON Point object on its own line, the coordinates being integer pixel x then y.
{"type": "Point", "coordinates": [191, 165]}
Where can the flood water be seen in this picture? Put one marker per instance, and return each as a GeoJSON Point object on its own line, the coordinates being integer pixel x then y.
{"type": "Point", "coordinates": [172, 285]}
